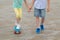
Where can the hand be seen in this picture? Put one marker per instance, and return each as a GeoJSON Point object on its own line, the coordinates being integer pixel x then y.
{"type": "Point", "coordinates": [29, 9]}
{"type": "Point", "coordinates": [48, 9]}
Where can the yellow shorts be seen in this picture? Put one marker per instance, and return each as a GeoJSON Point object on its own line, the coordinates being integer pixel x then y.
{"type": "Point", "coordinates": [18, 12]}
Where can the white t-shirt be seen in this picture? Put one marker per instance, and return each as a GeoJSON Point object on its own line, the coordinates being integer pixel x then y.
{"type": "Point", "coordinates": [40, 4]}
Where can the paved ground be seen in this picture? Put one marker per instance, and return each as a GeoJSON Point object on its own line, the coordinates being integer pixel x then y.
{"type": "Point", "coordinates": [7, 18]}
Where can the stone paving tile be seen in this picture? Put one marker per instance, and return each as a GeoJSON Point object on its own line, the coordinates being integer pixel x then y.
{"type": "Point", "coordinates": [7, 18]}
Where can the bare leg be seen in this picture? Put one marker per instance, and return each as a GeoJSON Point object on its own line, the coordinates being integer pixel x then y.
{"type": "Point", "coordinates": [37, 22]}
{"type": "Point", "coordinates": [18, 20]}
{"type": "Point", "coordinates": [42, 21]}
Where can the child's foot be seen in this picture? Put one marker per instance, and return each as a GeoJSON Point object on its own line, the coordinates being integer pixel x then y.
{"type": "Point", "coordinates": [42, 27]}
{"type": "Point", "coordinates": [17, 30]}
{"type": "Point", "coordinates": [38, 30]}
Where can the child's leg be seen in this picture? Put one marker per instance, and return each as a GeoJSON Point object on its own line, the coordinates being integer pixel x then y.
{"type": "Point", "coordinates": [43, 12]}
{"type": "Point", "coordinates": [18, 12]}
{"type": "Point", "coordinates": [36, 14]}
{"type": "Point", "coordinates": [42, 21]}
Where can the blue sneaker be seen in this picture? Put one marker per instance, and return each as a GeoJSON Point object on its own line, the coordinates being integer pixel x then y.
{"type": "Point", "coordinates": [42, 27]}
{"type": "Point", "coordinates": [38, 30]}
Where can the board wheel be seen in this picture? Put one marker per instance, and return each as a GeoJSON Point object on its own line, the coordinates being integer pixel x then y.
{"type": "Point", "coordinates": [17, 33]}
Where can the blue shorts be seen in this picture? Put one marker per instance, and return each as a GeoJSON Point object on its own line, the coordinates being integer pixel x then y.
{"type": "Point", "coordinates": [39, 13]}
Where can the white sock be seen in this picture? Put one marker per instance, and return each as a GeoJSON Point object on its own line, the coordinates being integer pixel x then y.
{"type": "Point", "coordinates": [18, 25]}
{"type": "Point", "coordinates": [41, 23]}
{"type": "Point", "coordinates": [38, 27]}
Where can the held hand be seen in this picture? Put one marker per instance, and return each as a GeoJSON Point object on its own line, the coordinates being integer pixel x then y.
{"type": "Point", "coordinates": [29, 9]}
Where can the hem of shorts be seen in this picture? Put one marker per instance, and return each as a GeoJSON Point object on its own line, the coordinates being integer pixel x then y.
{"type": "Point", "coordinates": [39, 16]}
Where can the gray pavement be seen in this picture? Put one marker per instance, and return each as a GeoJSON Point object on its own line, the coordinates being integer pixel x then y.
{"type": "Point", "coordinates": [7, 18]}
